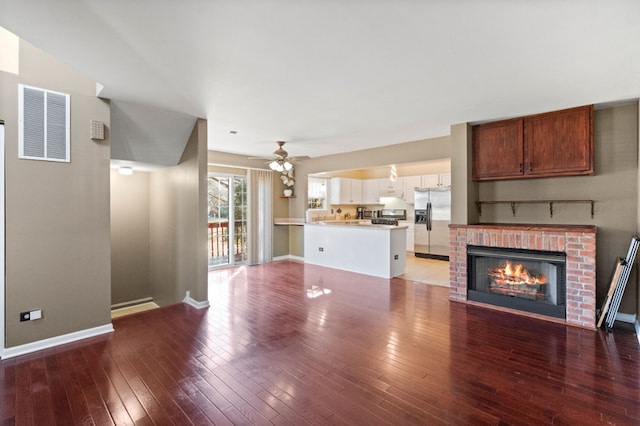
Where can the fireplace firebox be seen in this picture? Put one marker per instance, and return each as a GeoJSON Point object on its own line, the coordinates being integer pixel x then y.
{"type": "Point", "coordinates": [527, 280]}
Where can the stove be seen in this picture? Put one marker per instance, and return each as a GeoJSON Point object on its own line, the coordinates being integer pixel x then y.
{"type": "Point", "coordinates": [384, 221]}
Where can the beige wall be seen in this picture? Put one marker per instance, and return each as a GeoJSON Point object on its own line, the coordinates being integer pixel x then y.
{"type": "Point", "coordinates": [129, 237]}
{"type": "Point", "coordinates": [57, 214]}
{"type": "Point", "coordinates": [464, 192]}
{"type": "Point", "coordinates": [614, 187]}
{"type": "Point", "coordinates": [178, 223]}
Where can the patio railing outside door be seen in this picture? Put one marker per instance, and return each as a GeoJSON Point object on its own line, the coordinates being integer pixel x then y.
{"type": "Point", "coordinates": [219, 244]}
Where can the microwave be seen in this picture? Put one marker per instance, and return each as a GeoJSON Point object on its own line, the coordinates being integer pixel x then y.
{"type": "Point", "coordinates": [368, 214]}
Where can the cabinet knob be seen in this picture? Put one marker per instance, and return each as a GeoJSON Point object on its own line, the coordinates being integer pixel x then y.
{"type": "Point", "coordinates": [531, 166]}
{"type": "Point", "coordinates": [521, 168]}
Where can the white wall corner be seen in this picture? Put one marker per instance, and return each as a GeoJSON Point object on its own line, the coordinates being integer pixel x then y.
{"type": "Point", "coordinates": [195, 303]}
{"type": "Point", "coordinates": [56, 341]}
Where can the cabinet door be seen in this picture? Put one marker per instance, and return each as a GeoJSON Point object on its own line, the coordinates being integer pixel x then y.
{"type": "Point", "coordinates": [498, 150]}
{"type": "Point", "coordinates": [340, 191]}
{"type": "Point", "coordinates": [429, 181]}
{"type": "Point", "coordinates": [559, 143]}
{"type": "Point", "coordinates": [390, 189]}
{"type": "Point", "coordinates": [410, 184]}
{"type": "Point", "coordinates": [370, 191]}
{"type": "Point", "coordinates": [356, 191]}
{"type": "Point", "coordinates": [336, 191]}
{"type": "Point", "coordinates": [444, 180]}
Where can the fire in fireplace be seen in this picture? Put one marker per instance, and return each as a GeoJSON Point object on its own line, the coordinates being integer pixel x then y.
{"type": "Point", "coordinates": [515, 280]}
{"type": "Point", "coordinates": [528, 280]}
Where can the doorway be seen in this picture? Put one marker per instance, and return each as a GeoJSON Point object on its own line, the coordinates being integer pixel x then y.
{"type": "Point", "coordinates": [227, 220]}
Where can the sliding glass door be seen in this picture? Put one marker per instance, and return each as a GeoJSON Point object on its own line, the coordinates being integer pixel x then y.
{"type": "Point", "coordinates": [227, 220]}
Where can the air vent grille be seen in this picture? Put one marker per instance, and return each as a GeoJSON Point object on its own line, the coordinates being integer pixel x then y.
{"type": "Point", "coordinates": [44, 125]}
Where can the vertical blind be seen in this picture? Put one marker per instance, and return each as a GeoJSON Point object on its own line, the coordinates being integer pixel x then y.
{"type": "Point", "coordinates": [260, 220]}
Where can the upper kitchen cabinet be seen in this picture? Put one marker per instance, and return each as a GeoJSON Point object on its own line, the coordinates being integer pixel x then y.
{"type": "Point", "coordinates": [558, 143]}
{"type": "Point", "coordinates": [371, 191]}
{"type": "Point", "coordinates": [346, 191]}
{"type": "Point", "coordinates": [498, 150]}
{"type": "Point", "coordinates": [410, 183]}
{"type": "Point", "coordinates": [390, 188]}
{"type": "Point", "coordinates": [441, 180]}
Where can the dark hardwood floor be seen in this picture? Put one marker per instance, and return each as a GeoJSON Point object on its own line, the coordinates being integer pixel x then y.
{"type": "Point", "coordinates": [288, 343]}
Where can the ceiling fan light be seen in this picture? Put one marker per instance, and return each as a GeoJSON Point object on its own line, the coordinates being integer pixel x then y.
{"type": "Point", "coordinates": [287, 166]}
{"type": "Point", "coordinates": [276, 165]}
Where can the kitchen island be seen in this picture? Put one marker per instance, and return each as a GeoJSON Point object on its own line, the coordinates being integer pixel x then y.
{"type": "Point", "coordinates": [377, 250]}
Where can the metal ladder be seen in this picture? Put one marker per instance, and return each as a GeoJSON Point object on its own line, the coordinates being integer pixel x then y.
{"type": "Point", "coordinates": [622, 282]}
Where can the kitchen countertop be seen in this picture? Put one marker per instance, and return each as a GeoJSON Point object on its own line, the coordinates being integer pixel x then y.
{"type": "Point", "coordinates": [365, 224]}
{"type": "Point", "coordinates": [354, 223]}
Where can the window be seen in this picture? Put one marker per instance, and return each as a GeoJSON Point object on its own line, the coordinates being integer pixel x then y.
{"type": "Point", "coordinates": [317, 193]}
{"type": "Point", "coordinates": [44, 125]}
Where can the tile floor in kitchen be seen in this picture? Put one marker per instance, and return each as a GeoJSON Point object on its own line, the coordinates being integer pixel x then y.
{"type": "Point", "coordinates": [428, 271]}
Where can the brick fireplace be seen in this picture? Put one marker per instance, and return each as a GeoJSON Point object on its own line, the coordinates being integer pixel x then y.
{"type": "Point", "coordinates": [578, 242]}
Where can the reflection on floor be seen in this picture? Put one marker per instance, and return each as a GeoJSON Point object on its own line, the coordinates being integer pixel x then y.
{"type": "Point", "coordinates": [116, 313]}
{"type": "Point", "coordinates": [428, 271]}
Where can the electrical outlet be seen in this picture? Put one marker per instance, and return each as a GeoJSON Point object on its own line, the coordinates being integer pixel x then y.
{"type": "Point", "coordinates": [31, 315]}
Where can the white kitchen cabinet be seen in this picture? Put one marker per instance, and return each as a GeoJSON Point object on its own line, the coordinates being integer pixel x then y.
{"type": "Point", "coordinates": [372, 250]}
{"type": "Point", "coordinates": [410, 183]}
{"type": "Point", "coordinates": [410, 232]}
{"type": "Point", "coordinates": [391, 189]}
{"type": "Point", "coordinates": [371, 191]}
{"type": "Point", "coordinates": [436, 180]}
{"type": "Point", "coordinates": [346, 191]}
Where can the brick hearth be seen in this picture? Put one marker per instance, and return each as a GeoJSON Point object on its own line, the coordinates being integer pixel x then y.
{"type": "Point", "coordinates": [577, 241]}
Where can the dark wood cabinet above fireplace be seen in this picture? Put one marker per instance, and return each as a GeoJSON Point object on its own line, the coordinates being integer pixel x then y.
{"type": "Point", "coordinates": [558, 143]}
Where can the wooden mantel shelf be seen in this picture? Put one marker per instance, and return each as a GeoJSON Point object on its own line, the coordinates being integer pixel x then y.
{"type": "Point", "coordinates": [514, 204]}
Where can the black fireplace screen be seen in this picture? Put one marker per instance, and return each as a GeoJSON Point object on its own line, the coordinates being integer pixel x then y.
{"type": "Point", "coordinates": [528, 280]}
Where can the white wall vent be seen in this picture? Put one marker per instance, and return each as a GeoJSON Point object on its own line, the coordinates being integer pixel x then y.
{"type": "Point", "coordinates": [44, 120]}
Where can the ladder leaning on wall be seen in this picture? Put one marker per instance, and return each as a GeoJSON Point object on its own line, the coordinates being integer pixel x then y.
{"type": "Point", "coordinates": [620, 285]}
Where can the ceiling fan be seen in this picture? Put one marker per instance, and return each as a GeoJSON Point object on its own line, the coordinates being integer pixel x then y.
{"type": "Point", "coordinates": [281, 161]}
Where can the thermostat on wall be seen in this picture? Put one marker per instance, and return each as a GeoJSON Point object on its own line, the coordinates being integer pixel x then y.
{"type": "Point", "coordinates": [97, 130]}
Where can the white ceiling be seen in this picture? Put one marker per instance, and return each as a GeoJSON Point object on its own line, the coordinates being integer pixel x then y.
{"type": "Point", "coordinates": [341, 75]}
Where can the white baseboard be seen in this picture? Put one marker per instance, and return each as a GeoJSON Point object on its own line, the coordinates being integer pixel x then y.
{"type": "Point", "coordinates": [195, 303]}
{"type": "Point", "coordinates": [56, 341]}
{"type": "Point", "coordinates": [622, 317]}
{"type": "Point", "coordinates": [288, 257]}
{"type": "Point", "coordinates": [638, 330]}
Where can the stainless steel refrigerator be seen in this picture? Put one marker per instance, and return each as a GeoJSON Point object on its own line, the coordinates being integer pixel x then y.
{"type": "Point", "coordinates": [432, 219]}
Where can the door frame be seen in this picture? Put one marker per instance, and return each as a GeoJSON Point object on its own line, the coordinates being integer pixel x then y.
{"type": "Point", "coordinates": [2, 243]}
{"type": "Point", "coordinates": [231, 229]}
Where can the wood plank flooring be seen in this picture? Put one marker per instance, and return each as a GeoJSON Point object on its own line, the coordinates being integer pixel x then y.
{"type": "Point", "coordinates": [293, 344]}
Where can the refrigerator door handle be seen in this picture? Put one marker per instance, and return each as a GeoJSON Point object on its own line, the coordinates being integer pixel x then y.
{"type": "Point", "coordinates": [429, 216]}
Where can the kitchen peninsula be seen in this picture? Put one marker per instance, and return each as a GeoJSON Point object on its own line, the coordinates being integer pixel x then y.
{"type": "Point", "coordinates": [377, 250]}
